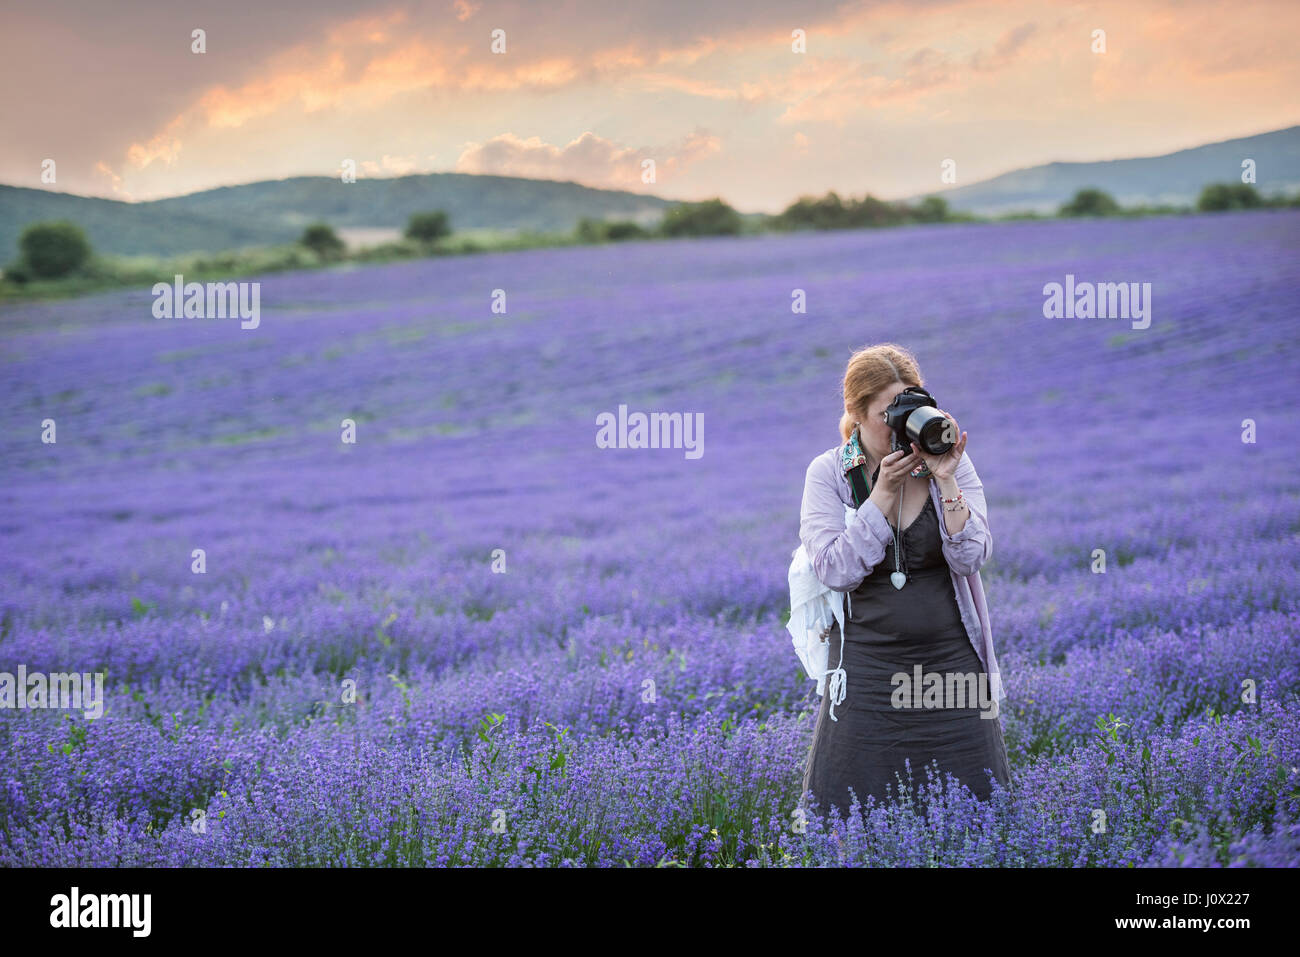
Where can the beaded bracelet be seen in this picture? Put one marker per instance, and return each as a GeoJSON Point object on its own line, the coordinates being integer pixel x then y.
{"type": "Point", "coordinates": [953, 504]}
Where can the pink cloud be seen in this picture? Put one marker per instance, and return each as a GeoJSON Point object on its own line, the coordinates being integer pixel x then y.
{"type": "Point", "coordinates": [590, 159]}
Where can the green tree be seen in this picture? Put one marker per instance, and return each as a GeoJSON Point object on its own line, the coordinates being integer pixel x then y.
{"type": "Point", "coordinates": [426, 227]}
{"type": "Point", "coordinates": [1217, 197]}
{"type": "Point", "coordinates": [1090, 202]}
{"type": "Point", "coordinates": [831, 212]}
{"type": "Point", "coordinates": [624, 229]}
{"type": "Point", "coordinates": [589, 230]}
{"type": "Point", "coordinates": [322, 240]}
{"type": "Point", "coordinates": [932, 209]}
{"type": "Point", "coordinates": [869, 211]}
{"type": "Point", "coordinates": [811, 212]}
{"type": "Point", "coordinates": [51, 250]}
{"type": "Point", "coordinates": [602, 230]}
{"type": "Point", "coordinates": [712, 217]}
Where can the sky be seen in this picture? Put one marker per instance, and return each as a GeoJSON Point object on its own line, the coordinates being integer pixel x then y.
{"type": "Point", "coordinates": [758, 102]}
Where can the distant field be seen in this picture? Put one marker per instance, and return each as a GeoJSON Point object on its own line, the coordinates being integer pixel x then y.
{"type": "Point", "coordinates": [502, 592]}
{"type": "Point", "coordinates": [361, 237]}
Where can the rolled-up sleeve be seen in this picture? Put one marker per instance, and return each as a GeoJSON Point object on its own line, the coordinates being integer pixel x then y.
{"type": "Point", "coordinates": [841, 555]}
{"type": "Point", "coordinates": [971, 547]}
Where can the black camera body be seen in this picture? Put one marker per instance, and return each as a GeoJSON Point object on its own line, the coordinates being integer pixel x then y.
{"type": "Point", "coordinates": [914, 416]}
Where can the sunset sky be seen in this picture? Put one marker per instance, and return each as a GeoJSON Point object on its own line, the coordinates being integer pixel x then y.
{"type": "Point", "coordinates": [586, 91]}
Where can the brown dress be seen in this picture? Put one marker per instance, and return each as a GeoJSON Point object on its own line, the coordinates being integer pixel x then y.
{"type": "Point", "coordinates": [890, 631]}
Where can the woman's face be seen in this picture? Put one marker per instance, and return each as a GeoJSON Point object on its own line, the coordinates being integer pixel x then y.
{"type": "Point", "coordinates": [873, 434]}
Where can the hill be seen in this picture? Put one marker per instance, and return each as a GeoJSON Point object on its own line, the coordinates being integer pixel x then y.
{"type": "Point", "coordinates": [1172, 179]}
{"type": "Point", "coordinates": [275, 211]}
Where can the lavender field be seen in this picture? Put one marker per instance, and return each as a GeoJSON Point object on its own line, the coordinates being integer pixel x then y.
{"type": "Point", "coordinates": [566, 655]}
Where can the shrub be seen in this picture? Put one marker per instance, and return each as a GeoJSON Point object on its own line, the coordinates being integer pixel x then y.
{"type": "Point", "coordinates": [1217, 197]}
{"type": "Point", "coordinates": [810, 212]}
{"type": "Point", "coordinates": [589, 230]}
{"type": "Point", "coordinates": [18, 272]}
{"type": "Point", "coordinates": [624, 229]}
{"type": "Point", "coordinates": [426, 227]}
{"type": "Point", "coordinates": [1090, 202]}
{"type": "Point", "coordinates": [51, 250]}
{"type": "Point", "coordinates": [831, 212]}
{"type": "Point", "coordinates": [322, 240]}
{"type": "Point", "coordinates": [712, 217]}
{"type": "Point", "coordinates": [932, 209]}
{"type": "Point", "coordinates": [599, 230]}
{"type": "Point", "coordinates": [869, 211]}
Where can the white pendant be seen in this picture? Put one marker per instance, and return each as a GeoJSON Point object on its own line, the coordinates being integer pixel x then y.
{"type": "Point", "coordinates": [898, 578]}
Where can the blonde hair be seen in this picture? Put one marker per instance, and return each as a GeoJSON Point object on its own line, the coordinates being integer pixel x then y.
{"type": "Point", "coordinates": [871, 370]}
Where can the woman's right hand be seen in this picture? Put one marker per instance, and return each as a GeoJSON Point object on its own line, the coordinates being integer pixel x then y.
{"type": "Point", "coordinates": [894, 469]}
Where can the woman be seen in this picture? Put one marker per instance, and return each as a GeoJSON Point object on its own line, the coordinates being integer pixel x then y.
{"type": "Point", "coordinates": [909, 561]}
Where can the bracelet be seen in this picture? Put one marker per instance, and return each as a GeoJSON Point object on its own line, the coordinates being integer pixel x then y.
{"type": "Point", "coordinates": [954, 504]}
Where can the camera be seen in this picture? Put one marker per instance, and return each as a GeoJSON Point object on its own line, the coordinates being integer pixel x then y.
{"type": "Point", "coordinates": [914, 416]}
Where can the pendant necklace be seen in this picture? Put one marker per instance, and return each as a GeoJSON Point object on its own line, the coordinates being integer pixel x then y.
{"type": "Point", "coordinates": [898, 577]}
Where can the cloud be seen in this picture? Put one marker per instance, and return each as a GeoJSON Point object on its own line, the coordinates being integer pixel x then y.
{"type": "Point", "coordinates": [345, 64]}
{"type": "Point", "coordinates": [288, 88]}
{"type": "Point", "coordinates": [372, 60]}
{"type": "Point", "coordinates": [366, 64]}
{"type": "Point", "coordinates": [104, 171]}
{"type": "Point", "coordinates": [164, 146]}
{"type": "Point", "coordinates": [394, 166]}
{"type": "Point", "coordinates": [590, 159]}
{"type": "Point", "coordinates": [1004, 50]}
{"type": "Point", "coordinates": [744, 92]}
{"type": "Point", "coordinates": [831, 89]}
{"type": "Point", "coordinates": [465, 10]}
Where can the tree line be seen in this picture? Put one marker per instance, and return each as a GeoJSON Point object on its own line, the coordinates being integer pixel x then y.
{"type": "Point", "coordinates": [54, 250]}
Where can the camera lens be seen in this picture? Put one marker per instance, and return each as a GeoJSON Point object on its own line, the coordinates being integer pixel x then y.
{"type": "Point", "coordinates": [926, 426]}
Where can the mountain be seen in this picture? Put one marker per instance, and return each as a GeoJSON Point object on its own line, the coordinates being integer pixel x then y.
{"type": "Point", "coordinates": [275, 211]}
{"type": "Point", "coordinates": [1173, 179]}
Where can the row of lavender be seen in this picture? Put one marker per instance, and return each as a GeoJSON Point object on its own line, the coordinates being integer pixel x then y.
{"type": "Point", "coordinates": [569, 654]}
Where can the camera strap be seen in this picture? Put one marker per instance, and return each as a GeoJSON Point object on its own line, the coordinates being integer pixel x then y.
{"type": "Point", "coordinates": [861, 487]}
{"type": "Point", "coordinates": [854, 464]}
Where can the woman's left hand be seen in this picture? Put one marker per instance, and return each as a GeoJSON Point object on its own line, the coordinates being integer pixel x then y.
{"type": "Point", "coordinates": [944, 466]}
